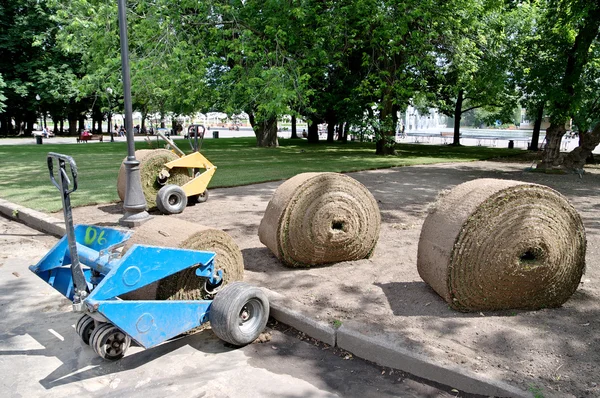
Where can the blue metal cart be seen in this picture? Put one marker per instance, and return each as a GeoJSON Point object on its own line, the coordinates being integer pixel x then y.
{"type": "Point", "coordinates": [88, 267]}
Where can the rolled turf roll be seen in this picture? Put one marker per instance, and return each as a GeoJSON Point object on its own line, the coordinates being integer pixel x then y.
{"type": "Point", "coordinates": [495, 244]}
{"type": "Point", "coordinates": [172, 232]}
{"type": "Point", "coordinates": [320, 218]}
{"type": "Point", "coordinates": [151, 163]}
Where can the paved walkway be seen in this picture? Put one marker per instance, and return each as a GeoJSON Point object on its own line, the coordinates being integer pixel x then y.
{"type": "Point", "coordinates": [416, 137]}
{"type": "Point", "coordinates": [40, 354]}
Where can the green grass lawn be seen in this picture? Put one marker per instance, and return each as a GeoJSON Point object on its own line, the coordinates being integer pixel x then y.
{"type": "Point", "coordinates": [24, 179]}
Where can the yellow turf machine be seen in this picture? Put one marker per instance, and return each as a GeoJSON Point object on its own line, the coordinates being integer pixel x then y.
{"type": "Point", "coordinates": [172, 199]}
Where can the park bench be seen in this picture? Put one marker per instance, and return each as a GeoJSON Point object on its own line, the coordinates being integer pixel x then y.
{"type": "Point", "coordinates": [446, 135]}
{"type": "Point", "coordinates": [88, 137]}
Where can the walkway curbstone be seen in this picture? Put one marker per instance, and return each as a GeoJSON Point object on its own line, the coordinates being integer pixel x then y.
{"type": "Point", "coordinates": [385, 350]}
{"type": "Point", "coordinates": [33, 218]}
{"type": "Point", "coordinates": [294, 314]}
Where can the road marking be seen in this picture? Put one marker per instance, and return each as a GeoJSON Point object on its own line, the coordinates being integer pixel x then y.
{"type": "Point", "coordinates": [55, 333]}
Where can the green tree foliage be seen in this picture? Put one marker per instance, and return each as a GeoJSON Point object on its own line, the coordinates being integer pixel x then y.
{"type": "Point", "coordinates": [473, 64]}
{"type": "Point", "coordinates": [564, 40]}
{"type": "Point", "coordinates": [586, 117]}
{"type": "Point", "coordinates": [31, 64]}
{"type": "Point", "coordinates": [344, 63]}
{"type": "Point", "coordinates": [254, 65]}
{"type": "Point", "coordinates": [398, 48]}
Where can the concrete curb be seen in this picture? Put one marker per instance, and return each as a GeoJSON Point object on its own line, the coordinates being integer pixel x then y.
{"type": "Point", "coordinates": [33, 218]}
{"type": "Point", "coordinates": [385, 351]}
{"type": "Point", "coordinates": [294, 314]}
{"type": "Point", "coordinates": [376, 347]}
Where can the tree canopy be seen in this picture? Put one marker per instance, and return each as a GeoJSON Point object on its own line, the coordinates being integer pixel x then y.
{"type": "Point", "coordinates": [345, 63]}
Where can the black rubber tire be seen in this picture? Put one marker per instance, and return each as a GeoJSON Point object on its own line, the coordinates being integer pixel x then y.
{"type": "Point", "coordinates": [171, 199]}
{"type": "Point", "coordinates": [109, 342]}
{"type": "Point", "coordinates": [85, 327]}
{"type": "Point", "coordinates": [200, 198]}
{"type": "Point", "coordinates": [239, 313]}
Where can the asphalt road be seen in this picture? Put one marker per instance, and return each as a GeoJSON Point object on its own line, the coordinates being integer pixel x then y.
{"type": "Point", "coordinates": [40, 354]}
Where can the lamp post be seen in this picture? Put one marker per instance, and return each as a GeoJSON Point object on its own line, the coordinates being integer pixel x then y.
{"type": "Point", "coordinates": [38, 98]}
{"type": "Point", "coordinates": [109, 92]}
{"type": "Point", "coordinates": [135, 202]}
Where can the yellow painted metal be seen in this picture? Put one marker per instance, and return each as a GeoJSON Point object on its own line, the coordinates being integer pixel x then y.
{"type": "Point", "coordinates": [195, 161]}
{"type": "Point", "coordinates": [199, 184]}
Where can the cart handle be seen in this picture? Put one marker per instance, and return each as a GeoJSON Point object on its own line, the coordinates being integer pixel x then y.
{"type": "Point", "coordinates": [64, 176]}
{"type": "Point", "coordinates": [194, 128]}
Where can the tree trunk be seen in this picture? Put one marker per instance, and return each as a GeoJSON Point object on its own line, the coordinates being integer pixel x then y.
{"type": "Point", "coordinates": [3, 119]}
{"type": "Point", "coordinates": [55, 123]}
{"type": "Point", "coordinates": [72, 124]}
{"type": "Point", "coordinates": [331, 120]}
{"type": "Point", "coordinates": [62, 126]}
{"type": "Point", "coordinates": [269, 133]}
{"type": "Point", "coordinates": [575, 160]}
{"type": "Point", "coordinates": [386, 139]}
{"type": "Point", "coordinates": [18, 125]}
{"type": "Point", "coordinates": [81, 123]}
{"type": "Point", "coordinates": [345, 133]}
{"type": "Point", "coordinates": [457, 117]}
{"type": "Point", "coordinates": [265, 131]}
{"type": "Point", "coordinates": [330, 130]}
{"type": "Point", "coordinates": [551, 156]}
{"type": "Point", "coordinates": [29, 124]}
{"type": "Point", "coordinates": [395, 109]}
{"type": "Point", "coordinates": [340, 132]}
{"type": "Point", "coordinates": [313, 131]}
{"type": "Point", "coordinates": [5, 125]}
{"type": "Point", "coordinates": [535, 138]}
{"type": "Point", "coordinates": [294, 131]}
{"type": "Point", "coordinates": [144, 117]}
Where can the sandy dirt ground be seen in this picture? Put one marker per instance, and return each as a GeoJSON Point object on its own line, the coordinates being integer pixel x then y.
{"type": "Point", "coordinates": [553, 351]}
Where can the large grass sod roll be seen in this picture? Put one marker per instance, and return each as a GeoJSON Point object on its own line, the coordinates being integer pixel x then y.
{"type": "Point", "coordinates": [320, 218]}
{"type": "Point", "coordinates": [494, 244]}
{"type": "Point", "coordinates": [171, 232]}
{"type": "Point", "coordinates": [151, 163]}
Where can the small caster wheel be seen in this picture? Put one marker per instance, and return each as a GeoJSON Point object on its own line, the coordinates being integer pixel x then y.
{"type": "Point", "coordinates": [84, 328]}
{"type": "Point", "coordinates": [110, 342]}
{"type": "Point", "coordinates": [200, 198]}
{"type": "Point", "coordinates": [171, 199]}
{"type": "Point", "coordinates": [239, 313]}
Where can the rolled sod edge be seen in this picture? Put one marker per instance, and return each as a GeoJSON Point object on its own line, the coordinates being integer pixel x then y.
{"type": "Point", "coordinates": [140, 154]}
{"type": "Point", "coordinates": [548, 289]}
{"type": "Point", "coordinates": [276, 228]}
{"type": "Point", "coordinates": [443, 226]}
{"type": "Point", "coordinates": [269, 230]}
{"type": "Point", "coordinates": [151, 163]}
{"type": "Point", "coordinates": [460, 217]}
{"type": "Point", "coordinates": [166, 231]}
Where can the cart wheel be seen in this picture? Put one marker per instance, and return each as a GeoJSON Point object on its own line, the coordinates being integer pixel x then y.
{"type": "Point", "coordinates": [171, 199]}
{"type": "Point", "coordinates": [200, 198]}
{"type": "Point", "coordinates": [110, 342]}
{"type": "Point", "coordinates": [84, 328]}
{"type": "Point", "coordinates": [239, 313]}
